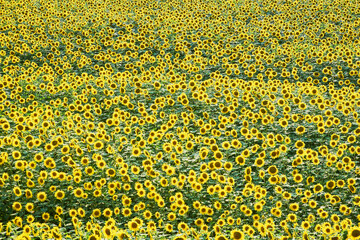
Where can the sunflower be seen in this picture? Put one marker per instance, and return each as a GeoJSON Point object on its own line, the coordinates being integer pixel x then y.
{"type": "Point", "coordinates": [258, 206]}
{"type": "Point", "coordinates": [259, 162]}
{"type": "Point", "coordinates": [292, 217]}
{"type": "Point", "coordinates": [59, 194]}
{"type": "Point", "coordinates": [97, 193]}
{"type": "Point", "coordinates": [133, 226]}
{"type": "Point", "coordinates": [27, 230]}
{"type": "Point", "coordinates": [300, 130]}
{"type": "Point", "coordinates": [272, 170]}
{"type": "Point", "coordinates": [302, 106]}
{"type": "Point", "coordinates": [298, 178]}
{"type": "Point", "coordinates": [16, 155]}
{"type": "Point", "coordinates": [28, 193]}
{"type": "Point", "coordinates": [89, 171]}
{"type": "Point", "coordinates": [183, 226]}
{"type": "Point", "coordinates": [240, 160]}
{"type": "Point", "coordinates": [29, 207]}
{"type": "Point", "coordinates": [218, 164]}
{"type": "Point", "coordinates": [305, 224]}
{"type": "Point", "coordinates": [101, 164]}
{"type": "Point", "coordinates": [49, 163]}
{"type": "Point", "coordinates": [107, 212]}
{"type": "Point", "coordinates": [136, 152]}
{"type": "Point", "coordinates": [171, 216]}
{"type": "Point", "coordinates": [312, 203]}
{"type": "Point", "coordinates": [5, 126]}
{"type": "Point", "coordinates": [41, 196]}
{"type": "Point", "coordinates": [81, 212]}
{"type": "Point", "coordinates": [72, 213]}
{"type": "Point", "coordinates": [45, 216]}
{"type": "Point", "coordinates": [273, 179]}
{"type": "Point", "coordinates": [203, 153]}
{"type": "Point", "coordinates": [236, 143]}
{"type": "Point", "coordinates": [283, 123]}
{"type": "Point", "coordinates": [111, 172]}
{"type": "Point", "coordinates": [294, 207]}
{"type": "Point", "coordinates": [17, 191]}
{"type": "Point", "coordinates": [351, 139]}
{"type": "Point", "coordinates": [226, 145]}
{"type": "Point", "coordinates": [135, 170]}
{"type": "Point", "coordinates": [218, 155]}
{"type": "Point", "coordinates": [38, 157]}
{"type": "Point", "coordinates": [211, 190]}
{"type": "Point", "coordinates": [96, 213]}
{"type": "Point", "coordinates": [93, 237]}
{"type": "Point", "coordinates": [78, 192]}
{"type": "Point", "coordinates": [335, 218]}
{"type": "Point", "coordinates": [49, 147]}
{"type": "Point", "coordinates": [30, 218]}
{"type": "Point", "coordinates": [228, 166]}
{"type": "Point", "coordinates": [157, 85]}
{"type": "Point", "coordinates": [164, 182]}
{"type": "Point", "coordinates": [159, 155]}
{"type": "Point", "coordinates": [98, 145]}
{"type": "Point", "coordinates": [127, 130]}
{"type": "Point", "coordinates": [221, 237]}
{"type": "Point", "coordinates": [126, 212]}
{"type": "Point", "coordinates": [330, 184]}
{"type": "Point", "coordinates": [17, 206]}
{"type": "Point", "coordinates": [169, 227]}
{"type": "Point", "coordinates": [318, 188]}
{"type": "Point", "coordinates": [147, 214]}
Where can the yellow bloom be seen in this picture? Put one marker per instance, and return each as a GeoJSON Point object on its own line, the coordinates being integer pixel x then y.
{"type": "Point", "coordinates": [126, 212]}
{"type": "Point", "coordinates": [98, 145]}
{"type": "Point", "coordinates": [318, 188]}
{"type": "Point", "coordinates": [133, 226]}
{"type": "Point", "coordinates": [17, 191]}
{"type": "Point", "coordinates": [16, 155]}
{"type": "Point", "coordinates": [17, 206]}
{"type": "Point", "coordinates": [272, 170]}
{"type": "Point", "coordinates": [136, 152]}
{"type": "Point", "coordinates": [59, 194]}
{"type": "Point", "coordinates": [41, 196]}
{"type": "Point", "coordinates": [218, 155]}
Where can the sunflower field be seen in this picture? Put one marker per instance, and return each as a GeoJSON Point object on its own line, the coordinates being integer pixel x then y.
{"type": "Point", "coordinates": [180, 119]}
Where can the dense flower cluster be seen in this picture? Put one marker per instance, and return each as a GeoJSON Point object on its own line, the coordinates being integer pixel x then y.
{"type": "Point", "coordinates": [179, 119]}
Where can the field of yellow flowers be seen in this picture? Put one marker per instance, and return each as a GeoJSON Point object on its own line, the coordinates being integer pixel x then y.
{"type": "Point", "coordinates": [181, 119]}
